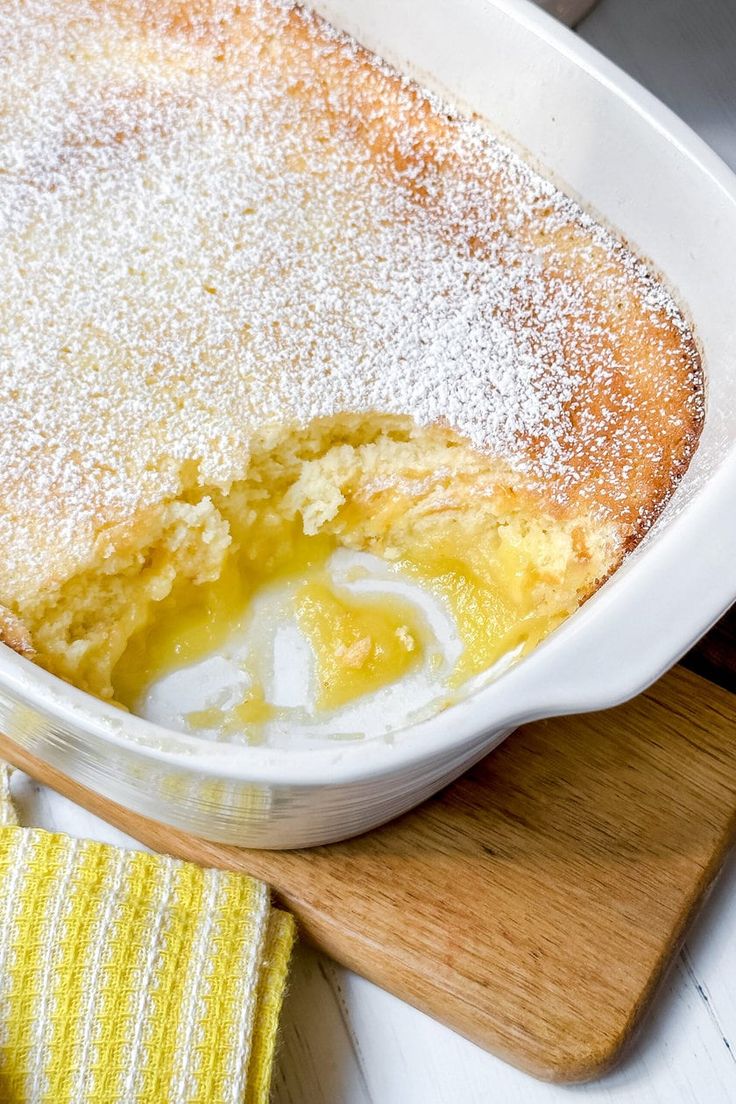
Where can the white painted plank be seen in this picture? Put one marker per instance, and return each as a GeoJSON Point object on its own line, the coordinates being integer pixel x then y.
{"type": "Point", "coordinates": [710, 958]}
{"type": "Point", "coordinates": [319, 1061]}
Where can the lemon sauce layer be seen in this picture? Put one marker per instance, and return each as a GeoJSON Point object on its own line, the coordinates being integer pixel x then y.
{"type": "Point", "coordinates": [382, 564]}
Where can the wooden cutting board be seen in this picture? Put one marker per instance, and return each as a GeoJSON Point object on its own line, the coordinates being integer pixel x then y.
{"type": "Point", "coordinates": [535, 904]}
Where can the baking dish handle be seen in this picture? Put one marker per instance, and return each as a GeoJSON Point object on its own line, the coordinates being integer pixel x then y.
{"type": "Point", "coordinates": [659, 603]}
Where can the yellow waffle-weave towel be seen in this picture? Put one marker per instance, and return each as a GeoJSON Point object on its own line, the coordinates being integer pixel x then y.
{"type": "Point", "coordinates": [128, 978]}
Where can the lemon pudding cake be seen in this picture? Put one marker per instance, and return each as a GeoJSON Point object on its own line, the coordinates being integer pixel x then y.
{"type": "Point", "coordinates": [264, 299]}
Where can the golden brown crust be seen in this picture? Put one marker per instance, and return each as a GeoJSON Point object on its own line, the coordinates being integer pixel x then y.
{"type": "Point", "coordinates": [658, 411]}
{"type": "Point", "coordinates": [14, 633]}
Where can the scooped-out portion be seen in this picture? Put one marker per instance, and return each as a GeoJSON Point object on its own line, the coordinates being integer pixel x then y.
{"type": "Point", "coordinates": [440, 515]}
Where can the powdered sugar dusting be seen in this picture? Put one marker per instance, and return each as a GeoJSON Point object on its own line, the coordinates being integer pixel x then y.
{"type": "Point", "coordinates": [216, 217]}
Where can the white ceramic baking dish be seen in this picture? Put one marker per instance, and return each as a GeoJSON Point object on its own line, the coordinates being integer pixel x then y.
{"type": "Point", "coordinates": [627, 158]}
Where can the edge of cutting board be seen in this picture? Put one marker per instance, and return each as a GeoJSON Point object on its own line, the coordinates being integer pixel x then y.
{"type": "Point", "coordinates": [534, 904]}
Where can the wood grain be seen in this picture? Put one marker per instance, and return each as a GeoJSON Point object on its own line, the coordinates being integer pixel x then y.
{"type": "Point", "coordinates": [535, 903]}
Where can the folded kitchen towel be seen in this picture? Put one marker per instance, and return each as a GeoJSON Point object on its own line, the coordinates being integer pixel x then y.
{"type": "Point", "coordinates": [129, 978]}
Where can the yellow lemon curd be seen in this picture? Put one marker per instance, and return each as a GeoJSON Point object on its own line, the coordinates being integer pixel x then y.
{"type": "Point", "coordinates": [360, 642]}
{"type": "Point", "coordinates": [506, 567]}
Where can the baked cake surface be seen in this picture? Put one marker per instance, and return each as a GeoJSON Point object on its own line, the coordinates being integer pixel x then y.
{"type": "Point", "coordinates": [223, 221]}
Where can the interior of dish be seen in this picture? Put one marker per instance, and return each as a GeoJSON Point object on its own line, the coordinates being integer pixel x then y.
{"type": "Point", "coordinates": [506, 568]}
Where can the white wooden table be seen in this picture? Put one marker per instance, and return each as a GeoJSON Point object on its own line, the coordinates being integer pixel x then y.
{"type": "Point", "coordinates": [347, 1042]}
